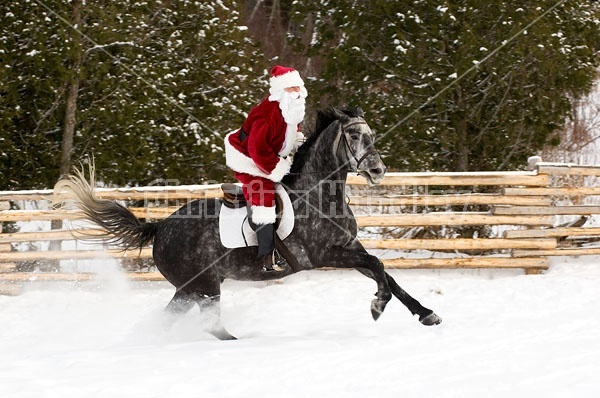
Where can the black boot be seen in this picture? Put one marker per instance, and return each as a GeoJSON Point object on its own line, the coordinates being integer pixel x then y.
{"type": "Point", "coordinates": [271, 260]}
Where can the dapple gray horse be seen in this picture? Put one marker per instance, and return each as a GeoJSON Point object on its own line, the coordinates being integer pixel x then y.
{"type": "Point", "coordinates": [187, 249]}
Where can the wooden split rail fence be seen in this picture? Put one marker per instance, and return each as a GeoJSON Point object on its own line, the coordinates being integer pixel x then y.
{"type": "Point", "coordinates": [533, 215]}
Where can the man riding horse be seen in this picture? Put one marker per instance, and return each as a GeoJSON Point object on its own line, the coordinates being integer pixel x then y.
{"type": "Point", "coordinates": [258, 153]}
{"type": "Point", "coordinates": [187, 245]}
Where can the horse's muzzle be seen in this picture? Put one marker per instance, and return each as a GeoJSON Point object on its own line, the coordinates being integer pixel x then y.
{"type": "Point", "coordinates": [373, 175]}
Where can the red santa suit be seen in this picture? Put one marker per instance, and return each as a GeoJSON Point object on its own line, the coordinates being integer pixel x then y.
{"type": "Point", "coordinates": [257, 152]}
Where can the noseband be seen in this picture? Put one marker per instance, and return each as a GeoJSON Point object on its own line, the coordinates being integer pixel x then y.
{"type": "Point", "coordinates": [349, 151]}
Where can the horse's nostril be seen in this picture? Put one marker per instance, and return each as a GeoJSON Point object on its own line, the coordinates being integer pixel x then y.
{"type": "Point", "coordinates": [377, 171]}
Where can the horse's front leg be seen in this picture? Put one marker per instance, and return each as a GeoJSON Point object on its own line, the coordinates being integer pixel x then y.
{"type": "Point", "coordinates": [426, 316]}
{"type": "Point", "coordinates": [342, 257]}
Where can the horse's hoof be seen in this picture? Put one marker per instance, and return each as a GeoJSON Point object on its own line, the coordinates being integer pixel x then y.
{"type": "Point", "coordinates": [223, 334]}
{"type": "Point", "coordinates": [430, 320]}
{"type": "Point", "coordinates": [377, 307]}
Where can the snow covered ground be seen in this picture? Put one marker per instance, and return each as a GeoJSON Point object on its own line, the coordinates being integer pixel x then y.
{"type": "Point", "coordinates": [504, 335]}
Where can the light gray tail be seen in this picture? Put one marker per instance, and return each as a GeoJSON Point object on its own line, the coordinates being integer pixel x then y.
{"type": "Point", "coordinates": [118, 225]}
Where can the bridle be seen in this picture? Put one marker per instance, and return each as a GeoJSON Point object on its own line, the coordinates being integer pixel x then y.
{"type": "Point", "coordinates": [347, 148]}
{"type": "Point", "coordinates": [350, 154]}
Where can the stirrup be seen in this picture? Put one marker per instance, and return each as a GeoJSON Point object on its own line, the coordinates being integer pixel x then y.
{"type": "Point", "coordinates": [274, 262]}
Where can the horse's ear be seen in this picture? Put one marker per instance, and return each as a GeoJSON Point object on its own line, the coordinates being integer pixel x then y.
{"type": "Point", "coordinates": [337, 113]}
{"type": "Point", "coordinates": [359, 112]}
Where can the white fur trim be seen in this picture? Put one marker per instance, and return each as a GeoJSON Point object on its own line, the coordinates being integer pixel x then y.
{"type": "Point", "coordinates": [263, 215]}
{"type": "Point", "coordinates": [290, 139]}
{"type": "Point", "coordinates": [239, 162]}
{"type": "Point", "coordinates": [290, 79]}
{"type": "Point", "coordinates": [282, 168]}
{"type": "Point", "coordinates": [300, 138]}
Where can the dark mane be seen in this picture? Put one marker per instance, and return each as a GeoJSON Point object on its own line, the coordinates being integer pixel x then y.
{"type": "Point", "coordinates": [325, 117]}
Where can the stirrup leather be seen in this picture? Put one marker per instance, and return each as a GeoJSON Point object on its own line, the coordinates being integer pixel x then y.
{"type": "Point", "coordinates": [274, 262]}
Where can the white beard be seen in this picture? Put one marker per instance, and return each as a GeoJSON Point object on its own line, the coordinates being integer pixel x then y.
{"type": "Point", "coordinates": [292, 105]}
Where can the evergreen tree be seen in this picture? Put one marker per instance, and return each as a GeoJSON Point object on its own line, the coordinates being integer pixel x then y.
{"type": "Point", "coordinates": [159, 85]}
{"type": "Point", "coordinates": [420, 72]}
{"type": "Point", "coordinates": [32, 90]}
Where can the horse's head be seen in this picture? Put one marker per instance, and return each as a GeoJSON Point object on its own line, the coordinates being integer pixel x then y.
{"type": "Point", "coordinates": [354, 145]}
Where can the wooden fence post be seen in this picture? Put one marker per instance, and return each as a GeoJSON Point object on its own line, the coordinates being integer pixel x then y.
{"type": "Point", "coordinates": [532, 162]}
{"type": "Point", "coordinates": [4, 247]}
{"type": "Point", "coordinates": [9, 289]}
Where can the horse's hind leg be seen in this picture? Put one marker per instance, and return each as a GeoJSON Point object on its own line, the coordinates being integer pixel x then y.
{"type": "Point", "coordinates": [210, 306]}
{"type": "Point", "coordinates": [180, 303]}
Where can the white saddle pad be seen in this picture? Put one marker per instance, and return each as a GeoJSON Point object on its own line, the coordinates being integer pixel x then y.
{"type": "Point", "coordinates": [235, 230]}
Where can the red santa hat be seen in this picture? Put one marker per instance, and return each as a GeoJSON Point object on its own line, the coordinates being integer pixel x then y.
{"type": "Point", "coordinates": [283, 77]}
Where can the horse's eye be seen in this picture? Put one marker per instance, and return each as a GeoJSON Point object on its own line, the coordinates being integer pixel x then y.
{"type": "Point", "coordinates": [354, 136]}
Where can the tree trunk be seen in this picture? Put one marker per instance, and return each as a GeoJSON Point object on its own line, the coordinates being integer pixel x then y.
{"type": "Point", "coordinates": [461, 162]}
{"type": "Point", "coordinates": [69, 121]}
{"type": "Point", "coordinates": [72, 92]}
{"type": "Point", "coordinates": [69, 126]}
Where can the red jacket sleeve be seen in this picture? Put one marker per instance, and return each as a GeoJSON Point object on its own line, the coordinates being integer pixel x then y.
{"type": "Point", "coordinates": [260, 147]}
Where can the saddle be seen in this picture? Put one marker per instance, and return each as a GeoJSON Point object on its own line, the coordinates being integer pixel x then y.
{"type": "Point", "coordinates": [235, 202]}
{"type": "Point", "coordinates": [233, 196]}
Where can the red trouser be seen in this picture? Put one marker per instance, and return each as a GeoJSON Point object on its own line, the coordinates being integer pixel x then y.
{"type": "Point", "coordinates": [258, 191]}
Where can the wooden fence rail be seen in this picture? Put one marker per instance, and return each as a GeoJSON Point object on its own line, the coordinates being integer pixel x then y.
{"type": "Point", "coordinates": [524, 207]}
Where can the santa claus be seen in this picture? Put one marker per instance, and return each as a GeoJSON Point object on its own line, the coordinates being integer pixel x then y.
{"type": "Point", "coordinates": [258, 152]}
